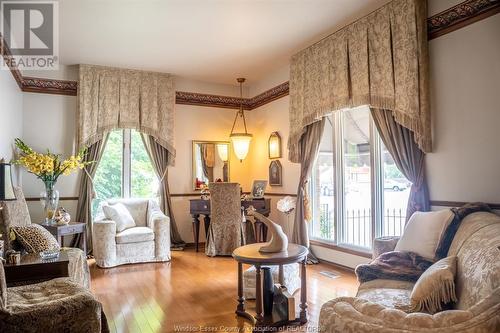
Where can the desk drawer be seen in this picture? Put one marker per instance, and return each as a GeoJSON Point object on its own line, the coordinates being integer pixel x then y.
{"type": "Point", "coordinates": [199, 205]}
{"type": "Point", "coordinates": [71, 230]}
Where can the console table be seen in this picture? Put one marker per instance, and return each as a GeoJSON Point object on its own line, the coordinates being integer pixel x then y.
{"type": "Point", "coordinates": [249, 254]}
{"type": "Point", "coordinates": [199, 207]}
{"type": "Point", "coordinates": [72, 228]}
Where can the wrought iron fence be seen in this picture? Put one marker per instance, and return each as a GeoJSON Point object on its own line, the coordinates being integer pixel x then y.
{"type": "Point", "coordinates": [358, 224]}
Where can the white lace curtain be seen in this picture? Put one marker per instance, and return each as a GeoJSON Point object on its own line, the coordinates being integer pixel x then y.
{"type": "Point", "coordinates": [111, 98]}
{"type": "Point", "coordinates": [380, 60]}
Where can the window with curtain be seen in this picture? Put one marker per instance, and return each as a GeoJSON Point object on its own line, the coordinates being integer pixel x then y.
{"type": "Point", "coordinates": [125, 170]}
{"type": "Point", "coordinates": [357, 191]}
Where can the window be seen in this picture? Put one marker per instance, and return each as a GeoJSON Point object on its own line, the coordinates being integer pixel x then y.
{"type": "Point", "coordinates": [357, 190]}
{"type": "Point", "coordinates": [125, 169]}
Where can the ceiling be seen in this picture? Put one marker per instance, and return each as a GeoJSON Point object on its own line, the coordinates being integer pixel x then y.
{"type": "Point", "coordinates": [208, 40]}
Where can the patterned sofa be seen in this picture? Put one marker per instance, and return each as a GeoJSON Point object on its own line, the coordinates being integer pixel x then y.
{"type": "Point", "coordinates": [16, 213]}
{"type": "Point", "coordinates": [477, 247]}
{"type": "Point", "coordinates": [148, 241]}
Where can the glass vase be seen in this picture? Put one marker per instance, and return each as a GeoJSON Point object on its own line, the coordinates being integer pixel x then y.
{"type": "Point", "coordinates": [50, 201]}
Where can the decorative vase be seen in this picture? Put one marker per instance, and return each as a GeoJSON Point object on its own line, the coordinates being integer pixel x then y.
{"type": "Point", "coordinates": [50, 201]}
{"type": "Point", "coordinates": [268, 291]}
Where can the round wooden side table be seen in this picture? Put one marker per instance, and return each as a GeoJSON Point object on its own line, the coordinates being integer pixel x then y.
{"type": "Point", "coordinates": [249, 254]}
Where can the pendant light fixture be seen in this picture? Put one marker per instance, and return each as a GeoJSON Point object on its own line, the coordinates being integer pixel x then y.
{"type": "Point", "coordinates": [241, 141]}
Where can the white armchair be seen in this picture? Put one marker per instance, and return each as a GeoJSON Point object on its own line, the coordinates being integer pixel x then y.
{"type": "Point", "coordinates": [147, 241]}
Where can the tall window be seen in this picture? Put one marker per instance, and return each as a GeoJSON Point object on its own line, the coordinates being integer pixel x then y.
{"type": "Point", "coordinates": [357, 190]}
{"type": "Point", "coordinates": [125, 169]}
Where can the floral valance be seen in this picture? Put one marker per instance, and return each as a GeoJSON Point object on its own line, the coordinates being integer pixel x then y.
{"type": "Point", "coordinates": [111, 98]}
{"type": "Point", "coordinates": [380, 60]}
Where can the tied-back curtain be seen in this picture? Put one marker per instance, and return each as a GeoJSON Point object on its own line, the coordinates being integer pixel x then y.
{"type": "Point", "coordinates": [309, 147]}
{"type": "Point", "coordinates": [159, 156]}
{"type": "Point", "coordinates": [110, 98]}
{"type": "Point", "coordinates": [380, 60]}
{"type": "Point", "coordinates": [86, 190]}
{"type": "Point", "coordinates": [408, 157]}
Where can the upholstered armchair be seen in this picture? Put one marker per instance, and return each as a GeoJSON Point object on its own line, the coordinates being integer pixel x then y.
{"type": "Point", "coordinates": [147, 241]}
{"type": "Point", "coordinates": [58, 305]}
{"type": "Point", "coordinates": [15, 213]}
{"type": "Point", "coordinates": [226, 227]}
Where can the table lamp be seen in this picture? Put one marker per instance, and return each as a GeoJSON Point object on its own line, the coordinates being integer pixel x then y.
{"type": "Point", "coordinates": [6, 187]}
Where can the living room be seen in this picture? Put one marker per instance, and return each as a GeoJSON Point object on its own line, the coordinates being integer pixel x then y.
{"type": "Point", "coordinates": [355, 120]}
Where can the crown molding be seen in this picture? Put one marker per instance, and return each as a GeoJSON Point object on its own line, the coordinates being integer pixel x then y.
{"type": "Point", "coordinates": [461, 15]}
{"type": "Point", "coordinates": [454, 18]}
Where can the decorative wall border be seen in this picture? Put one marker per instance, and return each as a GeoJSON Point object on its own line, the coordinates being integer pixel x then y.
{"type": "Point", "coordinates": [228, 102]}
{"type": "Point", "coordinates": [49, 86]}
{"type": "Point", "coordinates": [461, 15]}
{"type": "Point", "coordinates": [454, 18]}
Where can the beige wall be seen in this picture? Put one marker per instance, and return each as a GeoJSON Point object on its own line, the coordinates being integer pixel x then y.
{"type": "Point", "coordinates": [465, 90]}
{"type": "Point", "coordinates": [11, 116]}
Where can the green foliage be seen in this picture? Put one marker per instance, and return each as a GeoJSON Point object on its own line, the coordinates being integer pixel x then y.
{"type": "Point", "coordinates": [108, 178]}
{"type": "Point", "coordinates": [144, 180]}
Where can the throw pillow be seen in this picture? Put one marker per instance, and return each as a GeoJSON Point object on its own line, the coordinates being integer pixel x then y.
{"type": "Point", "coordinates": [120, 214]}
{"type": "Point", "coordinates": [423, 231]}
{"type": "Point", "coordinates": [435, 287]}
{"type": "Point", "coordinates": [34, 238]}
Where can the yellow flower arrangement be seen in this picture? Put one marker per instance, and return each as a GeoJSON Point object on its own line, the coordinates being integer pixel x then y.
{"type": "Point", "coordinates": [48, 167]}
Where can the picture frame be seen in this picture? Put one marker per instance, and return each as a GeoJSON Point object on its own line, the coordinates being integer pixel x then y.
{"type": "Point", "coordinates": [259, 189]}
{"type": "Point", "coordinates": [275, 173]}
{"type": "Point", "coordinates": [274, 146]}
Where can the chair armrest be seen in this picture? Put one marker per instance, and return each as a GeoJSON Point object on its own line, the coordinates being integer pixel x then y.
{"type": "Point", "coordinates": [350, 314]}
{"type": "Point", "coordinates": [104, 242]}
{"type": "Point", "coordinates": [383, 245]}
{"type": "Point", "coordinates": [58, 315]}
{"type": "Point", "coordinates": [160, 223]}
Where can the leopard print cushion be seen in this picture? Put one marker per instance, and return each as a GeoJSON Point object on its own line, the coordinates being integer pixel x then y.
{"type": "Point", "coordinates": [35, 238]}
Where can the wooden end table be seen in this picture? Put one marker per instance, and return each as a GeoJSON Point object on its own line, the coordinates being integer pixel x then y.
{"type": "Point", "coordinates": [72, 228]}
{"type": "Point", "coordinates": [34, 269]}
{"type": "Point", "coordinates": [249, 254]}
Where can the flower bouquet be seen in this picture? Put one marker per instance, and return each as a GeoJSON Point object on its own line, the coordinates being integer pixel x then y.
{"type": "Point", "coordinates": [48, 167]}
{"type": "Point", "coordinates": [286, 206]}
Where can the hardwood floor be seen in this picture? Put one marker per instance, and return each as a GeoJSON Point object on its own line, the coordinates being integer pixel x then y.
{"type": "Point", "coordinates": [194, 293]}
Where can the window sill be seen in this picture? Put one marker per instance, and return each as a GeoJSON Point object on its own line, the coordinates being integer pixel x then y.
{"type": "Point", "coordinates": [340, 248]}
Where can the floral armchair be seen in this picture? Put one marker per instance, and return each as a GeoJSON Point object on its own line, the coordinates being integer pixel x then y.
{"type": "Point", "coordinates": [147, 241]}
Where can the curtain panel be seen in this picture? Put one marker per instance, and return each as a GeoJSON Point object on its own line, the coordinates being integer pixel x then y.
{"type": "Point", "coordinates": [380, 60]}
{"type": "Point", "coordinates": [86, 192]}
{"type": "Point", "coordinates": [409, 159]}
{"type": "Point", "coordinates": [159, 157]}
{"type": "Point", "coordinates": [309, 148]}
{"type": "Point", "coordinates": [110, 98]}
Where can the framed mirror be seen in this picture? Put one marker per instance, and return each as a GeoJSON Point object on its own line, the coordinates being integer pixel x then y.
{"type": "Point", "coordinates": [210, 162]}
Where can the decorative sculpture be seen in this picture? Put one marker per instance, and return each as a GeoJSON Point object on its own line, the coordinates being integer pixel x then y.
{"type": "Point", "coordinates": [279, 240]}
{"type": "Point", "coordinates": [62, 217]}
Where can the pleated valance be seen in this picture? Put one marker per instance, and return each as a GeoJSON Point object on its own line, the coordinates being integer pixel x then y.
{"type": "Point", "coordinates": [380, 60]}
{"type": "Point", "coordinates": [111, 98]}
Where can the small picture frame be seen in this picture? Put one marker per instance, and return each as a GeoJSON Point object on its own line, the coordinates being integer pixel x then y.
{"type": "Point", "coordinates": [259, 189]}
{"type": "Point", "coordinates": [275, 173]}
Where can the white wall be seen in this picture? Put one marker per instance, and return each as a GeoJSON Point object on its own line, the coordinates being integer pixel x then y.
{"type": "Point", "coordinates": [465, 90]}
{"type": "Point", "coordinates": [11, 116]}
